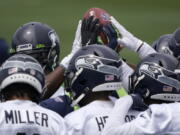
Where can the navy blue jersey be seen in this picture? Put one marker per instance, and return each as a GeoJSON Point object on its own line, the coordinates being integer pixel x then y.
{"type": "Point", "coordinates": [59, 104]}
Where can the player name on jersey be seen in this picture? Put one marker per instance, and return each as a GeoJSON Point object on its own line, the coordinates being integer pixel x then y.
{"type": "Point", "coordinates": [26, 117]}
{"type": "Point", "coordinates": [101, 121]}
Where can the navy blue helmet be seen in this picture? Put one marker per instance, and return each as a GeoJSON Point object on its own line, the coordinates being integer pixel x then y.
{"type": "Point", "coordinates": [40, 41]}
{"type": "Point", "coordinates": [161, 45]}
{"type": "Point", "coordinates": [174, 43]}
{"type": "Point", "coordinates": [157, 77]}
{"type": "Point", "coordinates": [4, 50]}
{"type": "Point", "coordinates": [93, 68]}
{"type": "Point", "coordinates": [169, 44]}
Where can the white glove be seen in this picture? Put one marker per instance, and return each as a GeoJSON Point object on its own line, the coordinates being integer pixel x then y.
{"type": "Point", "coordinates": [77, 40]}
{"type": "Point", "coordinates": [128, 40]}
{"type": "Point", "coordinates": [75, 47]}
{"type": "Point", "coordinates": [65, 61]}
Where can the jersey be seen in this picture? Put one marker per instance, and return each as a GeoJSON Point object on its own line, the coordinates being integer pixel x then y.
{"type": "Point", "coordinates": [158, 119]}
{"type": "Point", "coordinates": [23, 117]}
{"type": "Point", "coordinates": [91, 119]}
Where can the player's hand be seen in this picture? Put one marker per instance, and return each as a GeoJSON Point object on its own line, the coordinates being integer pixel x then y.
{"type": "Point", "coordinates": [127, 39]}
{"type": "Point", "coordinates": [90, 30]}
{"type": "Point", "coordinates": [138, 103]}
{"type": "Point", "coordinates": [112, 36]}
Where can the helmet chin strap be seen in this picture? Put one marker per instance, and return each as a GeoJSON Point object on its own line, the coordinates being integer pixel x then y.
{"type": "Point", "coordinates": [75, 102]}
{"type": "Point", "coordinates": [78, 99]}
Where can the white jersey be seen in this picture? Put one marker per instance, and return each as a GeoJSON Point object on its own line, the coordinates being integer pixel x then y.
{"type": "Point", "coordinates": [162, 119]}
{"type": "Point", "coordinates": [23, 117]}
{"type": "Point", "coordinates": [91, 119]}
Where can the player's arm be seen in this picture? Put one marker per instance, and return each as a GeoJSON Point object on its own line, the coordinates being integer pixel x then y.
{"type": "Point", "coordinates": [131, 42]}
{"type": "Point", "coordinates": [86, 34]}
{"type": "Point", "coordinates": [126, 71]}
{"type": "Point", "coordinates": [117, 117]}
{"type": "Point", "coordinates": [55, 79]}
{"type": "Point", "coordinates": [149, 122]}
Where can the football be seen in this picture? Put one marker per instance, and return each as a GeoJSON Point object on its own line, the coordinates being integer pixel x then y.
{"type": "Point", "coordinates": [104, 19]}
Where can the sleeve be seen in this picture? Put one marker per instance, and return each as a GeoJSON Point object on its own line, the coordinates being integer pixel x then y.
{"type": "Point", "coordinates": [152, 121]}
{"type": "Point", "coordinates": [126, 72]}
{"type": "Point", "coordinates": [117, 117]}
{"type": "Point", "coordinates": [145, 50]}
{"type": "Point", "coordinates": [74, 124]}
{"type": "Point", "coordinates": [63, 129]}
{"type": "Point", "coordinates": [59, 125]}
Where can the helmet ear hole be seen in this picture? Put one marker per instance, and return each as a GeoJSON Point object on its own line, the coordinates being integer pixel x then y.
{"type": "Point", "coordinates": [96, 54]}
{"type": "Point", "coordinates": [160, 63]}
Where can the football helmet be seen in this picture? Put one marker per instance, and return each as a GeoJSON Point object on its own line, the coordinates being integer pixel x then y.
{"type": "Point", "coordinates": [169, 44]}
{"type": "Point", "coordinates": [93, 68]}
{"type": "Point", "coordinates": [157, 77]}
{"type": "Point", "coordinates": [21, 68]}
{"type": "Point", "coordinates": [40, 41]}
{"type": "Point", "coordinates": [174, 43]}
{"type": "Point", "coordinates": [161, 45]}
{"type": "Point", "coordinates": [4, 51]}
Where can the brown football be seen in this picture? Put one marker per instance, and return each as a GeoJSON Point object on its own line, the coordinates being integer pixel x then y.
{"type": "Point", "coordinates": [104, 19]}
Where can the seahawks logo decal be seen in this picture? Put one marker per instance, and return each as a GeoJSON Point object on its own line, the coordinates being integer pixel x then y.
{"type": "Point", "coordinates": [88, 62]}
{"type": "Point", "coordinates": [166, 50]}
{"type": "Point", "coordinates": [159, 74]}
{"type": "Point", "coordinates": [151, 70]}
{"type": "Point", "coordinates": [95, 63]}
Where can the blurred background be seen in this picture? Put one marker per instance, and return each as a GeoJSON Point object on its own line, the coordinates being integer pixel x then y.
{"type": "Point", "coordinates": [146, 19]}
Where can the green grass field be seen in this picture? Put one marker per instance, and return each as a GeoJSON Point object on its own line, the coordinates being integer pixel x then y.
{"type": "Point", "coordinates": [145, 19]}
